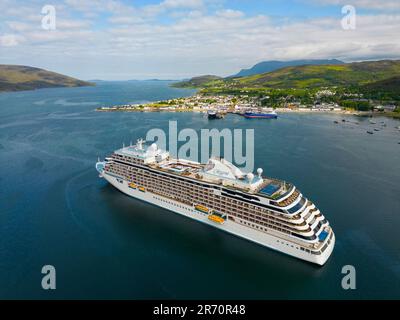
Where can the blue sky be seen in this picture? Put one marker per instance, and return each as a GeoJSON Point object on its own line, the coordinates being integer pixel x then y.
{"type": "Point", "coordinates": [174, 39]}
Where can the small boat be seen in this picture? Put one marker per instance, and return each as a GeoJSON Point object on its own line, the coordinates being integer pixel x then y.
{"type": "Point", "coordinates": [376, 129]}
{"type": "Point", "coordinates": [370, 132]}
{"type": "Point", "coordinates": [211, 114]}
{"type": "Point", "coordinates": [343, 120]}
{"type": "Point", "coordinates": [336, 121]}
{"type": "Point", "coordinates": [372, 122]}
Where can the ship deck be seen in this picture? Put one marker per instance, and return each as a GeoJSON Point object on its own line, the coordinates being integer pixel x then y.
{"type": "Point", "coordinates": [270, 188]}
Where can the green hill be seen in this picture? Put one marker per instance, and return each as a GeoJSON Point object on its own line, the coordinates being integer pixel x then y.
{"type": "Point", "coordinates": [311, 76]}
{"type": "Point", "coordinates": [384, 89]}
{"type": "Point", "coordinates": [17, 78]}
{"type": "Point", "coordinates": [387, 85]}
{"type": "Point", "coordinates": [357, 76]}
{"type": "Point", "coordinates": [196, 82]}
{"type": "Point", "coordinates": [268, 66]}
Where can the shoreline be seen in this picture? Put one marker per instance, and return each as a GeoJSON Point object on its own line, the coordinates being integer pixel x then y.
{"type": "Point", "coordinates": [355, 113]}
{"type": "Point", "coordinates": [239, 105]}
{"type": "Point", "coordinates": [278, 110]}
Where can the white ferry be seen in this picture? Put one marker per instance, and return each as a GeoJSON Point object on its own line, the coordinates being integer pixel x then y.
{"type": "Point", "coordinates": [267, 211]}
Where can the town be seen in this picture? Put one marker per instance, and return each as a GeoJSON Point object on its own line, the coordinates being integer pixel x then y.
{"type": "Point", "coordinates": [239, 104]}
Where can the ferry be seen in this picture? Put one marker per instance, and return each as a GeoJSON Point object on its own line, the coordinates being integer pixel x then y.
{"type": "Point", "coordinates": [261, 209]}
{"type": "Point", "coordinates": [260, 115]}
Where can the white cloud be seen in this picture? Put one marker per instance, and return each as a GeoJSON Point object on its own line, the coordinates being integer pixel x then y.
{"type": "Point", "coordinates": [10, 40]}
{"type": "Point", "coordinates": [174, 4]}
{"type": "Point", "coordinates": [229, 13]}
{"type": "Point", "coordinates": [19, 26]}
{"type": "Point", "coordinates": [365, 4]}
{"type": "Point", "coordinates": [72, 24]}
{"type": "Point", "coordinates": [196, 40]}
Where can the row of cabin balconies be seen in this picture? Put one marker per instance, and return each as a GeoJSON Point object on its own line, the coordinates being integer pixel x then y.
{"type": "Point", "coordinates": [284, 230]}
{"type": "Point", "coordinates": [225, 204]}
{"type": "Point", "coordinates": [197, 189]}
{"type": "Point", "coordinates": [290, 199]}
{"type": "Point", "coordinates": [128, 159]}
{"type": "Point", "coordinates": [268, 219]}
{"type": "Point", "coordinates": [241, 212]}
{"type": "Point", "coordinates": [280, 233]}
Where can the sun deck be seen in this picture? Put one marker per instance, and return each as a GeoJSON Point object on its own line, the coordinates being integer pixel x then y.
{"type": "Point", "coordinates": [269, 188]}
{"type": "Point", "coordinates": [217, 171]}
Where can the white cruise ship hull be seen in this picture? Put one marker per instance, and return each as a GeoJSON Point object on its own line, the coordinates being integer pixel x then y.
{"type": "Point", "coordinates": [262, 238]}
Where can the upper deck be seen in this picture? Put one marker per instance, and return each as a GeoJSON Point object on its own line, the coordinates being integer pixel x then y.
{"type": "Point", "coordinates": [216, 171]}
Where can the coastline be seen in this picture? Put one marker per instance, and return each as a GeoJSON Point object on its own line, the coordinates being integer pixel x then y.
{"type": "Point", "coordinates": [279, 110]}
{"type": "Point", "coordinates": [239, 105]}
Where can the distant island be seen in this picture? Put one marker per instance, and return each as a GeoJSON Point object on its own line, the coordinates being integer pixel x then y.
{"type": "Point", "coordinates": [18, 78]}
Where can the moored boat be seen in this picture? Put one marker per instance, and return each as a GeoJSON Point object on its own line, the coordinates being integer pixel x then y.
{"type": "Point", "coordinates": [260, 115]}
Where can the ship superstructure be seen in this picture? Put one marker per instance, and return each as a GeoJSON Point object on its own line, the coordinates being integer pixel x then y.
{"type": "Point", "coordinates": [267, 211]}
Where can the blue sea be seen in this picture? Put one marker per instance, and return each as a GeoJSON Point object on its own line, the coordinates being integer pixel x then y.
{"type": "Point", "coordinates": [55, 210]}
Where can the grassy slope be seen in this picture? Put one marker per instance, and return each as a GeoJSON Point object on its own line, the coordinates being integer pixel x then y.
{"type": "Point", "coordinates": [15, 78]}
{"type": "Point", "coordinates": [196, 82]}
{"type": "Point", "coordinates": [360, 76]}
{"type": "Point", "coordinates": [352, 74]}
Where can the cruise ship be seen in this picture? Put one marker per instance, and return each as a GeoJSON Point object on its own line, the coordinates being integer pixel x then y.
{"type": "Point", "coordinates": [264, 210]}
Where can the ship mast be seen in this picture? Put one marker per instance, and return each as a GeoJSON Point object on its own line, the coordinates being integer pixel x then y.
{"type": "Point", "coordinates": [139, 144]}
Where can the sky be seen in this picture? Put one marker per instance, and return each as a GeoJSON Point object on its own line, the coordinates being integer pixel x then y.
{"type": "Point", "coordinates": [177, 39]}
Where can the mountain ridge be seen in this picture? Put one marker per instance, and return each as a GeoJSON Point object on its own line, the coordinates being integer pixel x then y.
{"type": "Point", "coordinates": [272, 65]}
{"type": "Point", "coordinates": [20, 77]}
{"type": "Point", "coordinates": [196, 81]}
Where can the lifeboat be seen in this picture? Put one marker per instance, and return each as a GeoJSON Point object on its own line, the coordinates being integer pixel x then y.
{"type": "Point", "coordinates": [217, 217]}
{"type": "Point", "coordinates": [132, 185]}
{"type": "Point", "coordinates": [201, 208]}
{"type": "Point", "coordinates": [142, 189]}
